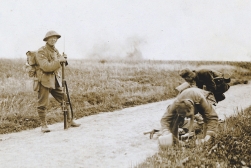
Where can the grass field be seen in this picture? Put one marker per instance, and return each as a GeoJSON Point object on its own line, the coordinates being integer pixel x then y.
{"type": "Point", "coordinates": [107, 85]}
{"type": "Point", "coordinates": [98, 86]}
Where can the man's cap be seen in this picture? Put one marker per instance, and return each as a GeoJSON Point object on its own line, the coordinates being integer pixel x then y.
{"type": "Point", "coordinates": [50, 34]}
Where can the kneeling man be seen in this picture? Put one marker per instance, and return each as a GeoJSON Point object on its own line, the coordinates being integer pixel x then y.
{"type": "Point", "coordinates": [188, 103]}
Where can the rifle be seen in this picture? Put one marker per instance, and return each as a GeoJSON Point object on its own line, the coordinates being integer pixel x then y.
{"type": "Point", "coordinates": [65, 91]}
{"type": "Point", "coordinates": [151, 133]}
{"type": "Point", "coordinates": [69, 100]}
{"type": "Point", "coordinates": [64, 109]}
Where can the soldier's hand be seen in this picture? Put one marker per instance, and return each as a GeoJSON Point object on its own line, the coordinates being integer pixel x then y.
{"type": "Point", "coordinates": [202, 141]}
{"type": "Point", "coordinates": [181, 131]}
{"type": "Point", "coordinates": [187, 135]}
{"type": "Point", "coordinates": [61, 59]}
{"type": "Point", "coordinates": [64, 55]}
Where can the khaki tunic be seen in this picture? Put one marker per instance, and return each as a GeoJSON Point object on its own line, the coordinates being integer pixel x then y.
{"type": "Point", "coordinates": [170, 120]}
{"type": "Point", "coordinates": [48, 66]}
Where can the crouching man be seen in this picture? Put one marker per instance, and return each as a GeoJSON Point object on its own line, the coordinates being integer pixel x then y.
{"type": "Point", "coordinates": [188, 103]}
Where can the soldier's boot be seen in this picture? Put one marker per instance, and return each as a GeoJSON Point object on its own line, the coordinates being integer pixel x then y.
{"type": "Point", "coordinates": [44, 127]}
{"type": "Point", "coordinates": [71, 122]}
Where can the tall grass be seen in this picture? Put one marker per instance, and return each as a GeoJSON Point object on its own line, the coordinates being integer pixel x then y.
{"type": "Point", "coordinates": [98, 86]}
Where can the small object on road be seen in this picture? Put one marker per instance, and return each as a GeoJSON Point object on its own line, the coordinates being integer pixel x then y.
{"type": "Point", "coordinates": [151, 133]}
{"type": "Point", "coordinates": [3, 139]}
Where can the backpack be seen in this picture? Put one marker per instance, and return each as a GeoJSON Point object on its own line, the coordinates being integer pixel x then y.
{"type": "Point", "coordinates": [30, 66]}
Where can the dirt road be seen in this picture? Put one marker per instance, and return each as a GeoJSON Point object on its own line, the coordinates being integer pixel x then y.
{"type": "Point", "coordinates": [105, 140]}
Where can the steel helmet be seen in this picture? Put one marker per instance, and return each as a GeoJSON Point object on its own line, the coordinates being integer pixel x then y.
{"type": "Point", "coordinates": [51, 33]}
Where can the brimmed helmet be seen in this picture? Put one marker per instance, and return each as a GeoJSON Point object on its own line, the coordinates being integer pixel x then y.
{"type": "Point", "coordinates": [186, 72]}
{"type": "Point", "coordinates": [183, 106]}
{"type": "Point", "coordinates": [51, 33]}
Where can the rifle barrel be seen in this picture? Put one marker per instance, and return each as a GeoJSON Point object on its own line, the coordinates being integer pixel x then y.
{"type": "Point", "coordinates": [63, 99]}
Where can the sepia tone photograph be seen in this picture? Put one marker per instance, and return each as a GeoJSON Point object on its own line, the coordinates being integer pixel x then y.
{"type": "Point", "coordinates": [125, 84]}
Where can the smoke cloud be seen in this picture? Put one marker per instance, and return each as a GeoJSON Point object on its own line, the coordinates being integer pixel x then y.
{"type": "Point", "coordinates": [127, 49]}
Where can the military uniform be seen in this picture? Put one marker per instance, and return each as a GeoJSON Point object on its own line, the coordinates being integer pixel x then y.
{"type": "Point", "coordinates": [48, 67]}
{"type": "Point", "coordinates": [207, 77]}
{"type": "Point", "coordinates": [171, 120]}
{"type": "Point", "coordinates": [211, 79]}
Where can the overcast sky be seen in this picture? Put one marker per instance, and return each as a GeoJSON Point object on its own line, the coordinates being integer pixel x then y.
{"type": "Point", "coordinates": [158, 29]}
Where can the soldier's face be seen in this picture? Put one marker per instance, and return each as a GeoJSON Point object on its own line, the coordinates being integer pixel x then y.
{"type": "Point", "coordinates": [28, 53]}
{"type": "Point", "coordinates": [52, 40]}
{"type": "Point", "coordinates": [189, 78]}
{"type": "Point", "coordinates": [190, 113]}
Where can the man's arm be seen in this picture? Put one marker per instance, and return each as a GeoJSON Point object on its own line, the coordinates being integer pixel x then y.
{"type": "Point", "coordinates": [167, 119]}
{"type": "Point", "coordinates": [210, 117]}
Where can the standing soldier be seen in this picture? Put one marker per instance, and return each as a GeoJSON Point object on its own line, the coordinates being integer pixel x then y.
{"type": "Point", "coordinates": [48, 65]}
